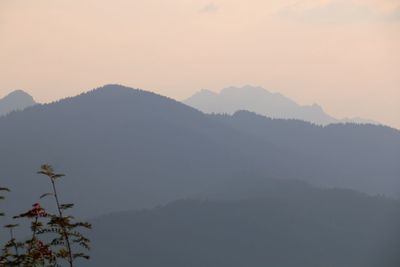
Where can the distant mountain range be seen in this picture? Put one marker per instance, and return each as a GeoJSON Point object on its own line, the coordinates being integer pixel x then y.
{"type": "Point", "coordinates": [124, 148]}
{"type": "Point", "coordinates": [17, 100]}
{"type": "Point", "coordinates": [263, 102]}
{"type": "Point", "coordinates": [213, 190]}
{"type": "Point", "coordinates": [294, 225]}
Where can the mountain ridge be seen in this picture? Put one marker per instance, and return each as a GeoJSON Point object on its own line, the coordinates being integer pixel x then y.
{"type": "Point", "coordinates": [282, 229]}
{"type": "Point", "coordinates": [259, 100]}
{"type": "Point", "coordinates": [14, 101]}
{"type": "Point", "coordinates": [135, 149]}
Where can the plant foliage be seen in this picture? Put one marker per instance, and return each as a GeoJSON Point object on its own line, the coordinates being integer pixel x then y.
{"type": "Point", "coordinates": [56, 238]}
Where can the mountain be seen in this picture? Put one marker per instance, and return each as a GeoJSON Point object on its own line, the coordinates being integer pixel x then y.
{"type": "Point", "coordinates": [337, 155]}
{"type": "Point", "coordinates": [298, 226]}
{"type": "Point", "coordinates": [17, 100]}
{"type": "Point", "coordinates": [123, 148]}
{"type": "Point", "coordinates": [263, 102]}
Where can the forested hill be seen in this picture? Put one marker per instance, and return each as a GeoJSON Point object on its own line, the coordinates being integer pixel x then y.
{"type": "Point", "coordinates": [296, 226]}
{"type": "Point", "coordinates": [124, 148]}
{"type": "Point", "coordinates": [364, 157]}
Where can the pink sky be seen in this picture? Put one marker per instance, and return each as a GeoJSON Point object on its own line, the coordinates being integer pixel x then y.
{"type": "Point", "coordinates": [342, 54]}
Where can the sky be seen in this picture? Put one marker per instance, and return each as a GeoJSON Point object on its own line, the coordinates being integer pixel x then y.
{"type": "Point", "coordinates": [341, 54]}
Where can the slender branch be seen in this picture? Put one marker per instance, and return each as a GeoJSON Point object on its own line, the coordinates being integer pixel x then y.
{"type": "Point", "coordinates": [63, 228]}
{"type": "Point", "coordinates": [14, 244]}
{"type": "Point", "coordinates": [33, 236]}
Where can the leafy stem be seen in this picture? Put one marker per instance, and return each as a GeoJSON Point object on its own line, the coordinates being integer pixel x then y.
{"type": "Point", "coordinates": [62, 225]}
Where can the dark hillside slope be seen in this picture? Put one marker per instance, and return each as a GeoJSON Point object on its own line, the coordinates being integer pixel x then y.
{"type": "Point", "coordinates": [361, 157]}
{"type": "Point", "coordinates": [305, 228]}
{"type": "Point", "coordinates": [123, 148]}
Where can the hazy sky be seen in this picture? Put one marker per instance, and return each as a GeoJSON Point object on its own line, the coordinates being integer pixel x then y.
{"type": "Point", "coordinates": [342, 54]}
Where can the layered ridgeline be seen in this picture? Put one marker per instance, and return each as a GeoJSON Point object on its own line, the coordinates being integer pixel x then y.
{"type": "Point", "coordinates": [261, 101]}
{"type": "Point", "coordinates": [124, 148]}
{"type": "Point", "coordinates": [293, 225]}
{"type": "Point", "coordinates": [361, 157]}
{"type": "Point", "coordinates": [17, 100]}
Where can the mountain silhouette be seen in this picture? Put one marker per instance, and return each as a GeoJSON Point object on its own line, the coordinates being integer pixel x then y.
{"type": "Point", "coordinates": [124, 148]}
{"type": "Point", "coordinates": [336, 155]}
{"type": "Point", "coordinates": [263, 102]}
{"type": "Point", "coordinates": [296, 226]}
{"type": "Point", "coordinates": [17, 100]}
{"type": "Point", "coordinates": [128, 148]}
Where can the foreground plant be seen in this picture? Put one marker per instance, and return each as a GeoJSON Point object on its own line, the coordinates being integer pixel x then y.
{"type": "Point", "coordinates": [7, 257]}
{"type": "Point", "coordinates": [64, 226]}
{"type": "Point", "coordinates": [55, 237]}
{"type": "Point", "coordinates": [37, 252]}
